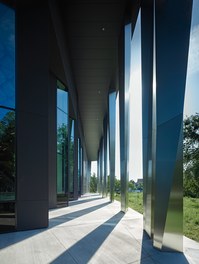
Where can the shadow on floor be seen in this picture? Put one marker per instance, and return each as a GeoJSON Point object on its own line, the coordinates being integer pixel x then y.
{"type": "Point", "coordinates": [157, 256]}
{"type": "Point", "coordinates": [72, 203]}
{"type": "Point", "coordinates": [85, 249]}
{"type": "Point", "coordinates": [70, 216]}
{"type": "Point", "coordinates": [8, 239]}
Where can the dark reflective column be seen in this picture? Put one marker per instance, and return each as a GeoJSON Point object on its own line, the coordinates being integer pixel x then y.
{"type": "Point", "coordinates": [172, 28]}
{"type": "Point", "coordinates": [79, 166]}
{"type": "Point", "coordinates": [98, 172]}
{"type": "Point", "coordinates": [75, 160]}
{"type": "Point", "coordinates": [105, 159]}
{"type": "Point", "coordinates": [147, 80]}
{"type": "Point", "coordinates": [102, 165]}
{"type": "Point", "coordinates": [71, 157]}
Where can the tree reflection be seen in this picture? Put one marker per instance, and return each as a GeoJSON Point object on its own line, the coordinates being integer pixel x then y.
{"type": "Point", "coordinates": [62, 147]}
{"type": "Point", "coordinates": [62, 139]}
{"type": "Point", "coordinates": [7, 155]}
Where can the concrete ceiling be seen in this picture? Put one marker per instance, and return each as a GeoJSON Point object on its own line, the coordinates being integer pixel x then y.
{"type": "Point", "coordinates": [92, 30]}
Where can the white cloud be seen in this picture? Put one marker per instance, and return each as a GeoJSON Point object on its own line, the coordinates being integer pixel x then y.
{"type": "Point", "coordinates": [193, 63]}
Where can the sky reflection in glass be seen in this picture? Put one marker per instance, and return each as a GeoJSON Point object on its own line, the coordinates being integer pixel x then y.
{"type": "Point", "coordinates": [192, 85]}
{"type": "Point", "coordinates": [7, 56]}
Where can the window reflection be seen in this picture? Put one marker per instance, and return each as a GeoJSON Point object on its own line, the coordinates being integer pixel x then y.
{"type": "Point", "coordinates": [7, 155]}
{"type": "Point", "coordinates": [62, 142]}
{"type": "Point", "coordinates": [192, 92]}
{"type": "Point", "coordinates": [7, 118]}
{"type": "Point", "coordinates": [7, 56]}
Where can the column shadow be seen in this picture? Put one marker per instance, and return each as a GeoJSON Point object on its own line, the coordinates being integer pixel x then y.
{"type": "Point", "coordinates": [70, 216]}
{"type": "Point", "coordinates": [84, 249]}
{"type": "Point", "coordinates": [8, 239]}
{"type": "Point", "coordinates": [158, 256]}
{"type": "Point", "coordinates": [72, 203]}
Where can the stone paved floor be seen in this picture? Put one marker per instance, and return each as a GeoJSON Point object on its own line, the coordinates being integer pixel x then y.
{"type": "Point", "coordinates": [90, 230]}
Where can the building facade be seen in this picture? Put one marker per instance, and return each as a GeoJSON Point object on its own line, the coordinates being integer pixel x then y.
{"type": "Point", "coordinates": [62, 63]}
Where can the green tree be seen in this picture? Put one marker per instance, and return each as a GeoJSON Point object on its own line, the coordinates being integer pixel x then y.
{"type": "Point", "coordinates": [132, 185]}
{"type": "Point", "coordinates": [117, 185]}
{"type": "Point", "coordinates": [93, 183]}
{"type": "Point", "coordinates": [191, 156]}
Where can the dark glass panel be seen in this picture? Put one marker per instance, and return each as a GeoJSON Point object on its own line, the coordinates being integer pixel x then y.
{"type": "Point", "coordinates": [7, 155]}
{"type": "Point", "coordinates": [7, 216]}
{"type": "Point", "coordinates": [7, 56]}
{"type": "Point", "coordinates": [7, 170]}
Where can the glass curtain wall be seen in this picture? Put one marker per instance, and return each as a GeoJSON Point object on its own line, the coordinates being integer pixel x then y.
{"type": "Point", "coordinates": [7, 119]}
{"type": "Point", "coordinates": [71, 156]}
{"type": "Point", "coordinates": [62, 142]}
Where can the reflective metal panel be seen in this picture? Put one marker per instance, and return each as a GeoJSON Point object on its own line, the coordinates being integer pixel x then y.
{"type": "Point", "coordinates": [147, 79]}
{"type": "Point", "coordinates": [112, 125]}
{"type": "Point", "coordinates": [124, 118]}
{"type": "Point", "coordinates": [172, 28]}
{"type": "Point", "coordinates": [102, 165]}
{"type": "Point", "coordinates": [104, 194]}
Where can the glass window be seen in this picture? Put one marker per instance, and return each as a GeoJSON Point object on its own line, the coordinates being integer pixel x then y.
{"type": "Point", "coordinates": [7, 118]}
{"type": "Point", "coordinates": [7, 56]}
{"type": "Point", "coordinates": [191, 106]}
{"type": "Point", "coordinates": [62, 142]}
{"type": "Point", "coordinates": [7, 155]}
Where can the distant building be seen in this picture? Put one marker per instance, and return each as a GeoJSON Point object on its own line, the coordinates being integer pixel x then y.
{"type": "Point", "coordinates": [139, 181]}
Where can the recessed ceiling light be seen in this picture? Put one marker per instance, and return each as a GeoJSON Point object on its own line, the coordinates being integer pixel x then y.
{"type": "Point", "coordinates": [103, 28]}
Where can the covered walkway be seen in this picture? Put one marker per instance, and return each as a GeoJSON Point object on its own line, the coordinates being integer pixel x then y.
{"type": "Point", "coordinates": [90, 230]}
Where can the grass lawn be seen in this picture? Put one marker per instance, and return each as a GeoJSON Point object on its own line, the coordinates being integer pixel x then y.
{"type": "Point", "coordinates": [191, 213]}
{"type": "Point", "coordinates": [191, 218]}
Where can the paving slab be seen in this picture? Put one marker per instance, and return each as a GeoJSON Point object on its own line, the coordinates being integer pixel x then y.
{"type": "Point", "coordinates": [90, 230]}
